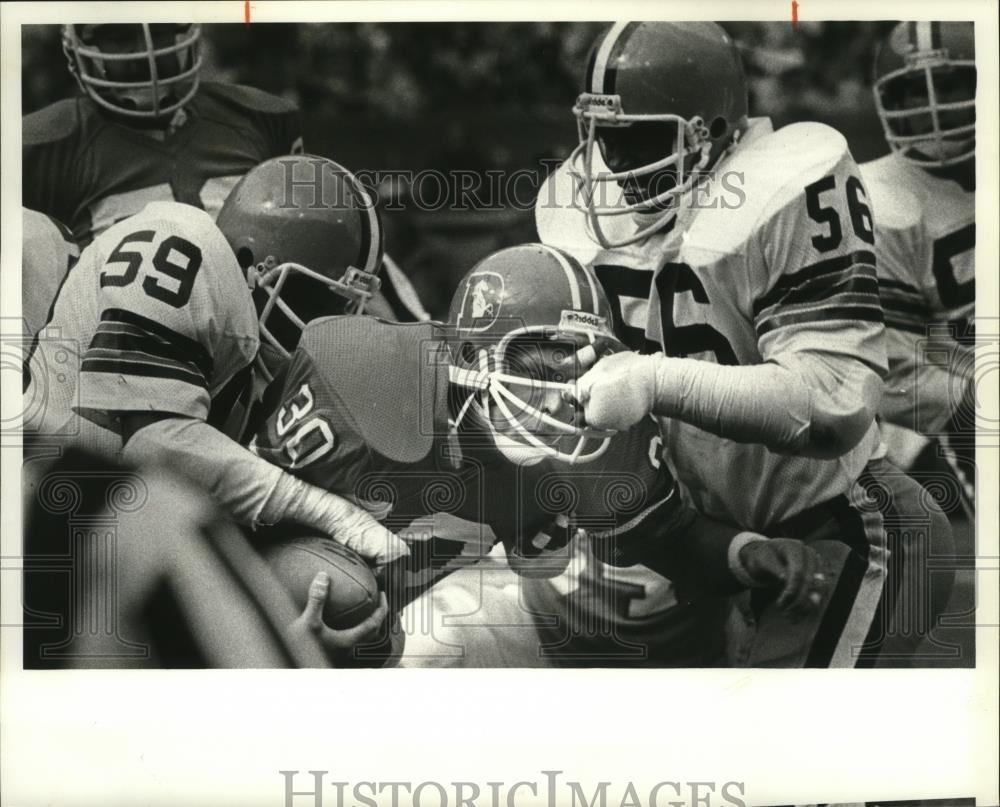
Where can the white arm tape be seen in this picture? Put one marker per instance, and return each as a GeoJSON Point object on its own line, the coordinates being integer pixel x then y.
{"type": "Point", "coordinates": [237, 479]}
{"type": "Point", "coordinates": [817, 406]}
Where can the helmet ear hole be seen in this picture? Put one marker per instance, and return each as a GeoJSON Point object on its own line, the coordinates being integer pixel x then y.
{"type": "Point", "coordinates": [244, 257]}
{"type": "Point", "coordinates": [718, 128]}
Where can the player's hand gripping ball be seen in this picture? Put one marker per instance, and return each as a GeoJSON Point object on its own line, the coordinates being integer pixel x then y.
{"type": "Point", "coordinates": [353, 593]}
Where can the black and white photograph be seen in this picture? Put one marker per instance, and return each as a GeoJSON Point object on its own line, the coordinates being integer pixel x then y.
{"type": "Point", "coordinates": [555, 348]}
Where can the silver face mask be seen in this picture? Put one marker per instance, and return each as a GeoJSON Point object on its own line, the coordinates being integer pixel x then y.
{"type": "Point", "coordinates": [692, 140]}
{"type": "Point", "coordinates": [357, 287]}
{"type": "Point", "coordinates": [492, 392]}
{"type": "Point", "coordinates": [102, 90]}
{"type": "Point", "coordinates": [940, 147]}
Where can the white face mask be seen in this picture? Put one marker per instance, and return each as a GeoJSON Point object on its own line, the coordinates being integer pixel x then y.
{"type": "Point", "coordinates": [599, 186]}
{"type": "Point", "coordinates": [149, 99]}
{"type": "Point", "coordinates": [357, 287]}
{"type": "Point", "coordinates": [491, 393]}
{"type": "Point", "coordinates": [938, 147]}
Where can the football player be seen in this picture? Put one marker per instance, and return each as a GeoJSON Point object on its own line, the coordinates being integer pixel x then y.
{"type": "Point", "coordinates": [48, 252]}
{"type": "Point", "coordinates": [923, 193]}
{"type": "Point", "coordinates": [155, 332]}
{"type": "Point", "coordinates": [740, 262]}
{"type": "Point", "coordinates": [145, 128]}
{"type": "Point", "coordinates": [467, 435]}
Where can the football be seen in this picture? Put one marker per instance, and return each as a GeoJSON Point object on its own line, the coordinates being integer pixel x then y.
{"type": "Point", "coordinates": [353, 593]}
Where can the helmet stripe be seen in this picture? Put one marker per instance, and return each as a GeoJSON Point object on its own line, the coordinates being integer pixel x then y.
{"type": "Point", "coordinates": [371, 231]}
{"type": "Point", "coordinates": [588, 81]}
{"type": "Point", "coordinates": [574, 285]}
{"type": "Point", "coordinates": [936, 35]}
{"type": "Point", "coordinates": [603, 54]}
{"type": "Point", "coordinates": [924, 40]}
{"type": "Point", "coordinates": [374, 259]}
{"type": "Point", "coordinates": [611, 70]}
{"type": "Point", "coordinates": [593, 288]}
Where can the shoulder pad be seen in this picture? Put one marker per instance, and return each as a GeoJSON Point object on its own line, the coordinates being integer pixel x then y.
{"type": "Point", "coordinates": [559, 216]}
{"type": "Point", "coordinates": [770, 171]}
{"type": "Point", "coordinates": [247, 97]}
{"type": "Point", "coordinates": [38, 228]}
{"type": "Point", "coordinates": [187, 218]}
{"type": "Point", "coordinates": [385, 376]}
{"type": "Point", "coordinates": [894, 206]}
{"type": "Point", "coordinates": [785, 160]}
{"type": "Point", "coordinates": [176, 218]}
{"type": "Point", "coordinates": [55, 122]}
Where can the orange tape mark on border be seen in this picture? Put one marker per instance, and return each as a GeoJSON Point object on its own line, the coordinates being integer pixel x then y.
{"type": "Point", "coordinates": [246, 11]}
{"type": "Point", "coordinates": [795, 14]}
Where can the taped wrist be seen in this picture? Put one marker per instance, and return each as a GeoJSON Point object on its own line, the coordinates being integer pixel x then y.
{"type": "Point", "coordinates": [298, 501]}
{"type": "Point", "coordinates": [237, 479]}
{"type": "Point", "coordinates": [763, 403]}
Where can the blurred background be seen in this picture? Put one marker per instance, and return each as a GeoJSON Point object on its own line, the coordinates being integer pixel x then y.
{"type": "Point", "coordinates": [480, 97]}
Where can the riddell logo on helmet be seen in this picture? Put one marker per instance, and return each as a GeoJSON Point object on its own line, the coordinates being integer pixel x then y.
{"type": "Point", "coordinates": [593, 101]}
{"type": "Point", "coordinates": [581, 319]}
{"type": "Point", "coordinates": [926, 58]}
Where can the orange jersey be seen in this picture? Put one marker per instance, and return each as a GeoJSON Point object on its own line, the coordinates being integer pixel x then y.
{"type": "Point", "coordinates": [362, 410]}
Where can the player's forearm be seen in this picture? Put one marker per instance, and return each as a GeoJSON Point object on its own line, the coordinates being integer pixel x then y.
{"type": "Point", "coordinates": [809, 408]}
{"type": "Point", "coordinates": [702, 557]}
{"type": "Point", "coordinates": [929, 374]}
{"type": "Point", "coordinates": [239, 481]}
{"type": "Point", "coordinates": [253, 490]}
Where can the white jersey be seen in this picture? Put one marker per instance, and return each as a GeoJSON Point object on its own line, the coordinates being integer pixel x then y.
{"type": "Point", "coordinates": [155, 317]}
{"type": "Point", "coordinates": [926, 239]}
{"type": "Point", "coordinates": [47, 253]}
{"type": "Point", "coordinates": [772, 259]}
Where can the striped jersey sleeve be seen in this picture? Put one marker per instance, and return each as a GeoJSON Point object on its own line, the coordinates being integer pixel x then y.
{"type": "Point", "coordinates": [818, 287]}
{"type": "Point", "coordinates": [905, 306]}
{"type": "Point", "coordinates": [129, 343]}
{"type": "Point", "coordinates": [175, 320]}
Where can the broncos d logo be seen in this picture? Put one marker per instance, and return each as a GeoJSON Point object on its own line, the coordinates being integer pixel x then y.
{"type": "Point", "coordinates": [483, 298]}
{"type": "Point", "coordinates": [482, 302]}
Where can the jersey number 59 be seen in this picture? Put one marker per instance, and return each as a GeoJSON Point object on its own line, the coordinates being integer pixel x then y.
{"type": "Point", "coordinates": [168, 276]}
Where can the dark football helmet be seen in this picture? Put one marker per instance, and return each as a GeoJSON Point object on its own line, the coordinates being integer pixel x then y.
{"type": "Point", "coordinates": [662, 101]}
{"type": "Point", "coordinates": [142, 71]}
{"type": "Point", "coordinates": [310, 240]}
{"type": "Point", "coordinates": [515, 324]}
{"type": "Point", "coordinates": [925, 92]}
